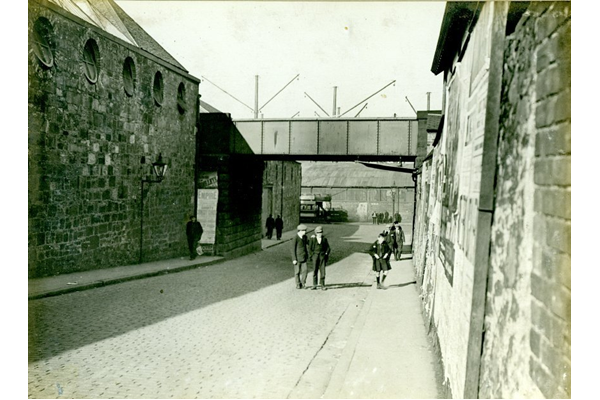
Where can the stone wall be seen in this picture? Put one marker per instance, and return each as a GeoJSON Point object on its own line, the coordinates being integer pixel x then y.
{"type": "Point", "coordinates": [527, 344]}
{"type": "Point", "coordinates": [238, 219]}
{"type": "Point", "coordinates": [86, 142]}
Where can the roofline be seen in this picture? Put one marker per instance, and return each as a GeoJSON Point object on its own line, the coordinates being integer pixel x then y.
{"type": "Point", "coordinates": [370, 119]}
{"type": "Point", "coordinates": [74, 18]}
{"type": "Point", "coordinates": [459, 16]}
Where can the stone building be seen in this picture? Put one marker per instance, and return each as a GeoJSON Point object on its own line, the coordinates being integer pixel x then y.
{"type": "Point", "coordinates": [281, 192]}
{"type": "Point", "coordinates": [493, 224]}
{"type": "Point", "coordinates": [105, 101]}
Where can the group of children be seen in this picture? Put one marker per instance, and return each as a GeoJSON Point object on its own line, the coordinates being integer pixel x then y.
{"type": "Point", "coordinates": [317, 250]}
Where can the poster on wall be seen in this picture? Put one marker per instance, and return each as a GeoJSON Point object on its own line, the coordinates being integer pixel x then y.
{"type": "Point", "coordinates": [208, 197]}
{"type": "Point", "coordinates": [451, 181]}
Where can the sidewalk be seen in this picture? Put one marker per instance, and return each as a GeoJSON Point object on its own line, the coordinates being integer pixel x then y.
{"type": "Point", "coordinates": [67, 283]}
{"type": "Point", "coordinates": [388, 353]}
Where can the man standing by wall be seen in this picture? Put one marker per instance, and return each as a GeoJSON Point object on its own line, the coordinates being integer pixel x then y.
{"type": "Point", "coordinates": [270, 225]}
{"type": "Point", "coordinates": [278, 226]}
{"type": "Point", "coordinates": [193, 230]}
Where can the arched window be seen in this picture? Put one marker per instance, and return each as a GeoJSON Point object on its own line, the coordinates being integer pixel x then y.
{"type": "Point", "coordinates": [181, 104]}
{"type": "Point", "coordinates": [91, 58]}
{"type": "Point", "coordinates": [158, 88]}
{"type": "Point", "coordinates": [42, 36]}
{"type": "Point", "coordinates": [129, 77]}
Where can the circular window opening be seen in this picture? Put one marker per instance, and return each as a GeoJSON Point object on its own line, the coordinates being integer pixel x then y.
{"type": "Point", "coordinates": [129, 76]}
{"type": "Point", "coordinates": [42, 32]}
{"type": "Point", "coordinates": [181, 106]}
{"type": "Point", "coordinates": [91, 56]}
{"type": "Point", "coordinates": [158, 88]}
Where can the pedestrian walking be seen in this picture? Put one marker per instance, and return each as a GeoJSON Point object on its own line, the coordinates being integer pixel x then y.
{"type": "Point", "coordinates": [318, 253]}
{"type": "Point", "coordinates": [392, 239]}
{"type": "Point", "coordinates": [300, 257]}
{"type": "Point", "coordinates": [374, 216]}
{"type": "Point", "coordinates": [399, 240]}
{"type": "Point", "coordinates": [193, 231]}
{"type": "Point", "coordinates": [270, 225]}
{"type": "Point", "coordinates": [386, 217]}
{"type": "Point", "coordinates": [278, 226]}
{"type": "Point", "coordinates": [380, 252]}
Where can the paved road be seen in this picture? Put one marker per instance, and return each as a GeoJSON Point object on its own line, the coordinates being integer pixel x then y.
{"type": "Point", "coordinates": [239, 329]}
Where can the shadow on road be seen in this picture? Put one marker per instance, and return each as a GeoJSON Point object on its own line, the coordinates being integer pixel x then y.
{"type": "Point", "coordinates": [347, 285]}
{"type": "Point", "coordinates": [61, 323]}
{"type": "Point", "coordinates": [402, 284]}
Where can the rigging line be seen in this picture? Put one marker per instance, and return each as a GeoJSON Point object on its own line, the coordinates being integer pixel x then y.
{"type": "Point", "coordinates": [411, 106]}
{"type": "Point", "coordinates": [361, 110]}
{"type": "Point", "coordinates": [316, 104]}
{"type": "Point", "coordinates": [394, 81]}
{"type": "Point", "coordinates": [208, 80]}
{"type": "Point", "coordinates": [263, 106]}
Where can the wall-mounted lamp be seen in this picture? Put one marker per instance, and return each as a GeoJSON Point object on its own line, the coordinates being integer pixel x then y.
{"type": "Point", "coordinates": [159, 168]}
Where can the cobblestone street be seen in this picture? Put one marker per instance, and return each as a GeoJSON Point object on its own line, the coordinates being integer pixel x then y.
{"type": "Point", "coordinates": [239, 329]}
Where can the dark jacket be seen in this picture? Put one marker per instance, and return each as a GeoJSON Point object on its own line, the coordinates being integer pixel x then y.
{"type": "Point", "coordinates": [270, 223]}
{"type": "Point", "coordinates": [320, 249]}
{"type": "Point", "coordinates": [384, 252]}
{"type": "Point", "coordinates": [299, 250]}
{"type": "Point", "coordinates": [194, 230]}
{"type": "Point", "coordinates": [278, 223]}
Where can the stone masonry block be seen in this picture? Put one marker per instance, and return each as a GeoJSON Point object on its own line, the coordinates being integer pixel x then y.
{"type": "Point", "coordinates": [549, 82]}
{"type": "Point", "coordinates": [555, 140]}
{"type": "Point", "coordinates": [541, 377]}
{"type": "Point", "coordinates": [541, 289]}
{"type": "Point", "coordinates": [562, 111]}
{"type": "Point", "coordinates": [557, 15]}
{"type": "Point", "coordinates": [544, 112]}
{"type": "Point", "coordinates": [558, 235]}
{"type": "Point", "coordinates": [554, 202]}
{"type": "Point", "coordinates": [561, 304]}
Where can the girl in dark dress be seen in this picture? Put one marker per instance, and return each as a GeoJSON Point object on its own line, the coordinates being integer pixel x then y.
{"type": "Point", "coordinates": [380, 252]}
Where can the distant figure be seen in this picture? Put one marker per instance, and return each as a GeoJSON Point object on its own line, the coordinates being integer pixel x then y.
{"type": "Point", "coordinates": [374, 216]}
{"type": "Point", "coordinates": [193, 231]}
{"type": "Point", "coordinates": [380, 252]}
{"type": "Point", "coordinates": [397, 218]}
{"type": "Point", "coordinates": [270, 225]}
{"type": "Point", "coordinates": [393, 239]}
{"type": "Point", "coordinates": [300, 257]}
{"type": "Point", "coordinates": [386, 217]}
{"type": "Point", "coordinates": [318, 250]}
{"type": "Point", "coordinates": [278, 226]}
{"type": "Point", "coordinates": [399, 240]}
{"type": "Point", "coordinates": [379, 218]}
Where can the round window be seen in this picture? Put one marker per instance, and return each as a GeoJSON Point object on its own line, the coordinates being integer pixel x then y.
{"type": "Point", "coordinates": [42, 32]}
{"type": "Point", "coordinates": [129, 76]}
{"type": "Point", "coordinates": [158, 88]}
{"type": "Point", "coordinates": [91, 56]}
{"type": "Point", "coordinates": [181, 106]}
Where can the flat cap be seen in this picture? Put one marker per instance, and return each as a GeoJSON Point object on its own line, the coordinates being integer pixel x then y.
{"type": "Point", "coordinates": [319, 229]}
{"type": "Point", "coordinates": [302, 227]}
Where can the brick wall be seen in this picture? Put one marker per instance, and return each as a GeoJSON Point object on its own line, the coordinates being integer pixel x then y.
{"type": "Point", "coordinates": [86, 141]}
{"type": "Point", "coordinates": [526, 349]}
{"type": "Point", "coordinates": [550, 340]}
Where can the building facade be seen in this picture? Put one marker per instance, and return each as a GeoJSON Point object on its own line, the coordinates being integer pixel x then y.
{"type": "Point", "coordinates": [105, 101]}
{"type": "Point", "coordinates": [281, 192]}
{"type": "Point", "coordinates": [492, 235]}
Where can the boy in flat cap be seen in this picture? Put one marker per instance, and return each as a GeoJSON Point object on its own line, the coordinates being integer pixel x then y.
{"type": "Point", "coordinates": [300, 256]}
{"type": "Point", "coordinates": [318, 250]}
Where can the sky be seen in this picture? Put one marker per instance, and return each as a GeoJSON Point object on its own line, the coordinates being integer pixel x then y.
{"type": "Point", "coordinates": [360, 47]}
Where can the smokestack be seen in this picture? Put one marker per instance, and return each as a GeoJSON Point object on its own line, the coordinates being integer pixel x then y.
{"type": "Point", "coordinates": [334, 99]}
{"type": "Point", "coordinates": [255, 96]}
